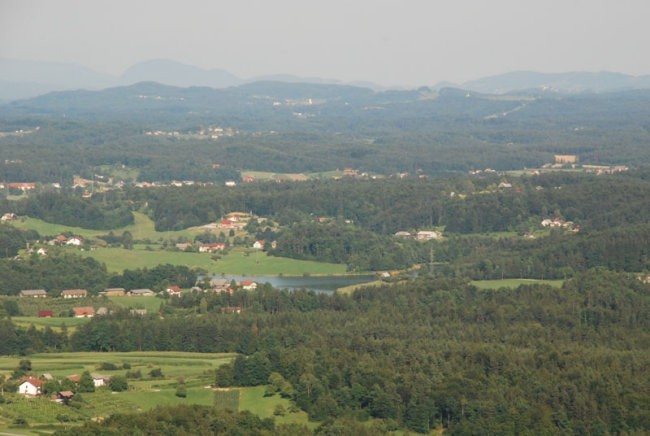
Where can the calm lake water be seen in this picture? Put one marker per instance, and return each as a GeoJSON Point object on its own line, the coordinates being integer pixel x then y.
{"type": "Point", "coordinates": [318, 284]}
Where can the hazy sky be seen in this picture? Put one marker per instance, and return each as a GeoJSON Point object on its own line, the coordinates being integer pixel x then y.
{"type": "Point", "coordinates": [405, 42]}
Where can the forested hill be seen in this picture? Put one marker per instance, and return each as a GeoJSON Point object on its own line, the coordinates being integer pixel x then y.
{"type": "Point", "coordinates": [280, 127]}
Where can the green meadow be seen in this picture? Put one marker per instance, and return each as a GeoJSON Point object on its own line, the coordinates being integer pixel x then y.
{"type": "Point", "coordinates": [236, 262]}
{"type": "Point", "coordinates": [196, 369]}
{"type": "Point", "coordinates": [239, 261]}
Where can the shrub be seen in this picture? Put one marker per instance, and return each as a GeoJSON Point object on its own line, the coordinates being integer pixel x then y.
{"type": "Point", "coordinates": [118, 383]}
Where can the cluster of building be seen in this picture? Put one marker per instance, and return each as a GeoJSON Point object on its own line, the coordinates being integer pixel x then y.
{"type": "Point", "coordinates": [422, 235]}
{"type": "Point", "coordinates": [31, 386]}
{"type": "Point", "coordinates": [557, 223]}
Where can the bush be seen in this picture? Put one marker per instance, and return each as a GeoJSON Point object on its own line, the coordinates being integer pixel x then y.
{"type": "Point", "coordinates": [20, 422]}
{"type": "Point", "coordinates": [118, 383]}
{"type": "Point", "coordinates": [137, 374]}
{"type": "Point", "coordinates": [156, 373]}
{"type": "Point", "coordinates": [107, 366]}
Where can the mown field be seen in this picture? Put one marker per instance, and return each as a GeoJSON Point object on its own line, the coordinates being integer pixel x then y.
{"type": "Point", "coordinates": [196, 369]}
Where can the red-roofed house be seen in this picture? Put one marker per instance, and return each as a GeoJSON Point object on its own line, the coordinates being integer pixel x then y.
{"type": "Point", "coordinates": [30, 386]}
{"type": "Point", "coordinates": [84, 312]}
{"type": "Point", "coordinates": [45, 313]}
{"type": "Point", "coordinates": [248, 285]}
{"type": "Point", "coordinates": [173, 290]}
{"type": "Point", "coordinates": [212, 247]}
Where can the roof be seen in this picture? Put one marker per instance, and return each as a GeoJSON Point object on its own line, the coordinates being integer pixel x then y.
{"type": "Point", "coordinates": [32, 380]}
{"type": "Point", "coordinates": [83, 311]}
{"type": "Point", "coordinates": [142, 291]}
{"type": "Point", "coordinates": [74, 292]}
{"type": "Point", "coordinates": [32, 292]}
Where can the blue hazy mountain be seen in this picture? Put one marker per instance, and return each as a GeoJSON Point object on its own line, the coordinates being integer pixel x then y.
{"type": "Point", "coordinates": [576, 82]}
{"type": "Point", "coordinates": [174, 73]}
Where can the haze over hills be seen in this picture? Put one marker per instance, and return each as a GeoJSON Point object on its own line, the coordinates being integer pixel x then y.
{"type": "Point", "coordinates": [24, 79]}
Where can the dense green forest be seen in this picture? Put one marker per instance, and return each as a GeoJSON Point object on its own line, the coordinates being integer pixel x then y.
{"type": "Point", "coordinates": [426, 351]}
{"type": "Point", "coordinates": [432, 132]}
{"type": "Point", "coordinates": [434, 352]}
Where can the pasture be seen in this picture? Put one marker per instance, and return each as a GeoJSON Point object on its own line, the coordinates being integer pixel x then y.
{"type": "Point", "coordinates": [196, 369]}
{"type": "Point", "coordinates": [236, 262]}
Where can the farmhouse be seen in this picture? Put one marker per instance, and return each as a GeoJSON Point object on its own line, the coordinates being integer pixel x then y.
{"type": "Point", "coordinates": [33, 293]}
{"type": "Point", "coordinates": [113, 292]}
{"type": "Point", "coordinates": [74, 241]}
{"type": "Point", "coordinates": [566, 159]}
{"type": "Point", "coordinates": [248, 285]}
{"type": "Point", "coordinates": [173, 290]}
{"type": "Point", "coordinates": [259, 245]}
{"type": "Point", "coordinates": [100, 380]}
{"type": "Point", "coordinates": [424, 235]}
{"type": "Point", "coordinates": [220, 285]}
{"type": "Point", "coordinates": [74, 293]}
{"type": "Point", "coordinates": [182, 246]}
{"type": "Point", "coordinates": [141, 293]}
{"type": "Point", "coordinates": [30, 386]}
{"type": "Point", "coordinates": [64, 397]}
{"type": "Point", "coordinates": [212, 247]}
{"type": "Point", "coordinates": [45, 313]}
{"type": "Point", "coordinates": [84, 312]}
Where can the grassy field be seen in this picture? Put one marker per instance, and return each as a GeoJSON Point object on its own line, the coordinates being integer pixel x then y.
{"type": "Point", "coordinates": [237, 262]}
{"type": "Point", "coordinates": [54, 323]}
{"type": "Point", "coordinates": [142, 228]}
{"type": "Point", "coordinates": [513, 283]}
{"type": "Point", "coordinates": [196, 369]}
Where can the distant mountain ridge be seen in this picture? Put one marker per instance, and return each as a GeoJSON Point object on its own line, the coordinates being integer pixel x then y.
{"type": "Point", "coordinates": [576, 82]}
{"type": "Point", "coordinates": [25, 79]}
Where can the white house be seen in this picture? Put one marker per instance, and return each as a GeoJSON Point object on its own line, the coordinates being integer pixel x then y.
{"type": "Point", "coordinates": [74, 240]}
{"type": "Point", "coordinates": [100, 380]}
{"type": "Point", "coordinates": [30, 386]}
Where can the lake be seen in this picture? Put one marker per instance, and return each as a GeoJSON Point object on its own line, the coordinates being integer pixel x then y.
{"type": "Point", "coordinates": [312, 283]}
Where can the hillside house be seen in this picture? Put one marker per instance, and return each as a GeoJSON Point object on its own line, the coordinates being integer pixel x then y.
{"type": "Point", "coordinates": [248, 285]}
{"type": "Point", "coordinates": [425, 235]}
{"type": "Point", "coordinates": [30, 386]}
{"type": "Point", "coordinates": [259, 245]}
{"type": "Point", "coordinates": [182, 246]}
{"type": "Point", "coordinates": [45, 313]}
{"type": "Point", "coordinates": [33, 293]}
{"type": "Point", "coordinates": [84, 312]}
{"type": "Point", "coordinates": [8, 217]}
{"type": "Point", "coordinates": [74, 293]}
{"type": "Point", "coordinates": [220, 285]}
{"type": "Point", "coordinates": [173, 291]}
{"type": "Point", "coordinates": [141, 293]}
{"type": "Point", "coordinates": [212, 247]}
{"type": "Point", "coordinates": [113, 292]}
{"type": "Point", "coordinates": [100, 380]}
{"type": "Point", "coordinates": [75, 241]}
{"type": "Point", "coordinates": [563, 159]}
